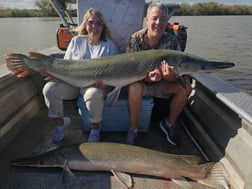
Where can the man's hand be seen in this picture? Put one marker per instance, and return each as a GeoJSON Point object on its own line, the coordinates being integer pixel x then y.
{"type": "Point", "coordinates": [169, 73]}
{"type": "Point", "coordinates": [154, 75]}
{"type": "Point", "coordinates": [165, 71]}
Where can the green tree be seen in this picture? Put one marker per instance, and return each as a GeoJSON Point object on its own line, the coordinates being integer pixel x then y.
{"type": "Point", "coordinates": [185, 9]}
{"type": "Point", "coordinates": [212, 8]}
{"type": "Point", "coordinates": [45, 7]}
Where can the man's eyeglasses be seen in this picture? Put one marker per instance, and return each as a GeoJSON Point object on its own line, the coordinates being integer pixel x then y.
{"type": "Point", "coordinates": [98, 23]}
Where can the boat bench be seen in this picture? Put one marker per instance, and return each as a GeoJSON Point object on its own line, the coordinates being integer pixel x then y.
{"type": "Point", "coordinates": [116, 118]}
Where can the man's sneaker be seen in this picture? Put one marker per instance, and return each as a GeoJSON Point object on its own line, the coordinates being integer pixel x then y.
{"type": "Point", "coordinates": [169, 132]}
{"type": "Point", "coordinates": [94, 135]}
{"type": "Point", "coordinates": [59, 130]}
{"type": "Point", "coordinates": [131, 136]}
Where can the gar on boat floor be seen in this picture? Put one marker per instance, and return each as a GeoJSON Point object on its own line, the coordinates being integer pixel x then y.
{"type": "Point", "coordinates": [36, 138]}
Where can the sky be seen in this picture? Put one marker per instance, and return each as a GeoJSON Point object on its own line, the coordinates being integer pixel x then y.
{"type": "Point", "coordinates": [226, 2]}
{"type": "Point", "coordinates": [30, 4]}
{"type": "Point", "coordinates": [20, 4]}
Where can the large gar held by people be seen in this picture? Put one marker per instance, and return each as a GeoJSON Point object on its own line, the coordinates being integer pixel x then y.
{"type": "Point", "coordinates": [118, 70]}
{"type": "Point", "coordinates": [121, 159]}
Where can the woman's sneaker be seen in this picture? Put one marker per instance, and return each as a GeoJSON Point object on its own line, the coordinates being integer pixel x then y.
{"type": "Point", "coordinates": [169, 132]}
{"type": "Point", "coordinates": [59, 130]}
{"type": "Point", "coordinates": [94, 135]}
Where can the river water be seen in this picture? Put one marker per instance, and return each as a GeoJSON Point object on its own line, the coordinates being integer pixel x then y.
{"type": "Point", "coordinates": [223, 38]}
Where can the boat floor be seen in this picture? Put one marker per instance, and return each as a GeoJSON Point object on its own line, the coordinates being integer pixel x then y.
{"type": "Point", "coordinates": [36, 138]}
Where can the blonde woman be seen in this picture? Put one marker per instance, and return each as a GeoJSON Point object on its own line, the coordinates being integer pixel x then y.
{"type": "Point", "coordinates": [93, 41]}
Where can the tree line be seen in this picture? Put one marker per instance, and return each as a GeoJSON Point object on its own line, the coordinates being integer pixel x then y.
{"type": "Point", "coordinates": [213, 8]}
{"type": "Point", "coordinates": [45, 9]}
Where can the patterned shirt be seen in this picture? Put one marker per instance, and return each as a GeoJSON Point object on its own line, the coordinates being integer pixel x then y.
{"type": "Point", "coordinates": [139, 41]}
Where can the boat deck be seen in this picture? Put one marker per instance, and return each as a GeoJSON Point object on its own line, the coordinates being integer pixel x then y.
{"type": "Point", "coordinates": [36, 138]}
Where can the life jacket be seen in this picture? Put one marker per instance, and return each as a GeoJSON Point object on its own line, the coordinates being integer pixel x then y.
{"type": "Point", "coordinates": [64, 37]}
{"type": "Point", "coordinates": [180, 32]}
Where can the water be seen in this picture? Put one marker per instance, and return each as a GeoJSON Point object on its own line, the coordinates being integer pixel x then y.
{"type": "Point", "coordinates": [22, 35]}
{"type": "Point", "coordinates": [224, 38]}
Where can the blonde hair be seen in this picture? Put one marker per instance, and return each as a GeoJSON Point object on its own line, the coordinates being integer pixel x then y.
{"type": "Point", "coordinates": [82, 30]}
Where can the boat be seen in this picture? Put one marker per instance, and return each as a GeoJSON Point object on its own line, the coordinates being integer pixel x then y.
{"type": "Point", "coordinates": [216, 123]}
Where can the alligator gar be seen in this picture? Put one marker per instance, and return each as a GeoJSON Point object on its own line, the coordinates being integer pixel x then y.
{"type": "Point", "coordinates": [118, 70]}
{"type": "Point", "coordinates": [122, 158]}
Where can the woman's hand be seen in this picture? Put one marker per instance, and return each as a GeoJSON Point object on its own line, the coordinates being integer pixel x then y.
{"type": "Point", "coordinates": [43, 72]}
{"type": "Point", "coordinates": [99, 84]}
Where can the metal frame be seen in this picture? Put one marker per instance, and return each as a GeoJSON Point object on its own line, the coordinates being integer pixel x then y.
{"type": "Point", "coordinates": [60, 9]}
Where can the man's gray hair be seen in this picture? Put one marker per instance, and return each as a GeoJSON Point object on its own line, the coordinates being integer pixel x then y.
{"type": "Point", "coordinates": [157, 4]}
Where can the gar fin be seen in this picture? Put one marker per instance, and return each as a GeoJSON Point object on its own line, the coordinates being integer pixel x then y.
{"type": "Point", "coordinates": [67, 176]}
{"type": "Point", "coordinates": [181, 181]}
{"type": "Point", "coordinates": [16, 64]}
{"type": "Point", "coordinates": [218, 178]}
{"type": "Point", "coordinates": [192, 159]}
{"type": "Point", "coordinates": [125, 179]}
{"type": "Point", "coordinates": [112, 97]}
{"type": "Point", "coordinates": [35, 55]}
{"type": "Point", "coordinates": [69, 180]}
